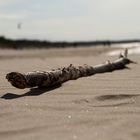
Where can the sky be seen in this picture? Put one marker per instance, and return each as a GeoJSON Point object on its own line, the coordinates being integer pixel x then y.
{"type": "Point", "coordinates": [70, 20]}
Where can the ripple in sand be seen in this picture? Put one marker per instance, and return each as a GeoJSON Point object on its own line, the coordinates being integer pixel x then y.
{"type": "Point", "coordinates": [108, 100]}
{"type": "Point", "coordinates": [115, 97]}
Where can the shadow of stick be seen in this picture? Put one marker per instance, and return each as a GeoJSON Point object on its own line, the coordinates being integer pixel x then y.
{"type": "Point", "coordinates": [32, 92]}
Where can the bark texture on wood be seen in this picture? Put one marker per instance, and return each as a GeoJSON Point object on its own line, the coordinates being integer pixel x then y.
{"type": "Point", "coordinates": [61, 75]}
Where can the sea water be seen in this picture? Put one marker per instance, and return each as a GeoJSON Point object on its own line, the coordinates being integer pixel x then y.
{"type": "Point", "coordinates": [133, 48]}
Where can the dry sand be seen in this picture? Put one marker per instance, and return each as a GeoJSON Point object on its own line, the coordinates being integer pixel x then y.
{"type": "Point", "coordinates": [102, 107]}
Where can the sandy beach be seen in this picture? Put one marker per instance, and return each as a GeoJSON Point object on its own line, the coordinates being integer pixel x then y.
{"type": "Point", "coordinates": [102, 107]}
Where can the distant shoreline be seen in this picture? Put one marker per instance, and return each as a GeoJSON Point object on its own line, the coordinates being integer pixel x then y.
{"type": "Point", "coordinates": [28, 43]}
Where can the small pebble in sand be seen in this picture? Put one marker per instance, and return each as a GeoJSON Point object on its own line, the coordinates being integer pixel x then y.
{"type": "Point", "coordinates": [69, 117]}
{"type": "Point", "coordinates": [74, 137]}
{"type": "Point", "coordinates": [96, 133]}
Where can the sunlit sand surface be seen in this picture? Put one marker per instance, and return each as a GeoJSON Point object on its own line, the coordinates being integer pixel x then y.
{"type": "Point", "coordinates": [102, 107]}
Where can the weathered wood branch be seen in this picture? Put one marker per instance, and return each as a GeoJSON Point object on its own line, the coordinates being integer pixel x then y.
{"type": "Point", "coordinates": [61, 75]}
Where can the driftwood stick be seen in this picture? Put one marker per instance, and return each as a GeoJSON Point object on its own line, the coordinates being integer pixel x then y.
{"type": "Point", "coordinates": [61, 75]}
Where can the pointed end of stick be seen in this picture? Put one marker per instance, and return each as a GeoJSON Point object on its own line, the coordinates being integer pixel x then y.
{"type": "Point", "coordinates": [133, 62]}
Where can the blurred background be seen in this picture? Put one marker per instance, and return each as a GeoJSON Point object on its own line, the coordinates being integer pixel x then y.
{"type": "Point", "coordinates": [70, 20]}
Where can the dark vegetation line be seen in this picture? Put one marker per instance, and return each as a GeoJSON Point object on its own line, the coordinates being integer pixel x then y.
{"type": "Point", "coordinates": [25, 43]}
